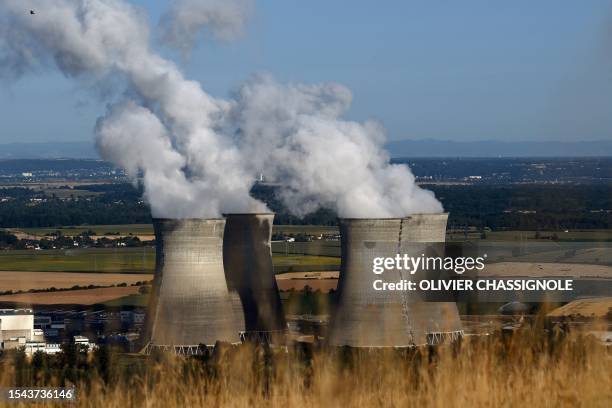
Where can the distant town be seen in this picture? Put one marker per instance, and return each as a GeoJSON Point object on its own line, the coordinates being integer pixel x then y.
{"type": "Point", "coordinates": [588, 170]}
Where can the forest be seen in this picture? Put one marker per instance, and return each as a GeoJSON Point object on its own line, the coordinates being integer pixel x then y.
{"type": "Point", "coordinates": [528, 207]}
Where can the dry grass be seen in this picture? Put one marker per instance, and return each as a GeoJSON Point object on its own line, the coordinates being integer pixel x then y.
{"type": "Point", "coordinates": [524, 370]}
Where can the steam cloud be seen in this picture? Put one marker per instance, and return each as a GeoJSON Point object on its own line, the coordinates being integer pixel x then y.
{"type": "Point", "coordinates": [224, 18]}
{"type": "Point", "coordinates": [295, 134]}
{"type": "Point", "coordinates": [196, 155]}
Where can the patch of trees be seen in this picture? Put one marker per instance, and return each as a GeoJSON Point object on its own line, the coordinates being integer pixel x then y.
{"type": "Point", "coordinates": [55, 212]}
{"type": "Point", "coordinates": [7, 240]}
{"type": "Point", "coordinates": [530, 207]}
{"type": "Point", "coordinates": [80, 287]}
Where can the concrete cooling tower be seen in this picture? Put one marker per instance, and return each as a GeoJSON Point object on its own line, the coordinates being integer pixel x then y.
{"type": "Point", "coordinates": [247, 256]}
{"type": "Point", "coordinates": [364, 317]}
{"type": "Point", "coordinates": [190, 304]}
{"type": "Point", "coordinates": [426, 234]}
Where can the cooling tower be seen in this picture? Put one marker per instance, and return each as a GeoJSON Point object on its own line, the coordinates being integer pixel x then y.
{"type": "Point", "coordinates": [247, 256]}
{"type": "Point", "coordinates": [190, 303]}
{"type": "Point", "coordinates": [426, 234]}
{"type": "Point", "coordinates": [364, 317]}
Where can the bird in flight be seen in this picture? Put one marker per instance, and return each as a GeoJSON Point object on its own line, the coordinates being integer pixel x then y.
{"type": "Point", "coordinates": [32, 12]}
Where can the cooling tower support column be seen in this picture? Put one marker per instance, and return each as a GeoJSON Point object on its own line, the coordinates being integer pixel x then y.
{"type": "Point", "coordinates": [364, 317]}
{"type": "Point", "coordinates": [247, 257]}
{"type": "Point", "coordinates": [190, 303]}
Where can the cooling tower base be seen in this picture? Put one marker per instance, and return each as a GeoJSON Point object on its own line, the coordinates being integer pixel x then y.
{"type": "Point", "coordinates": [277, 337]}
{"type": "Point", "coordinates": [186, 350]}
{"type": "Point", "coordinates": [182, 350]}
{"type": "Point", "coordinates": [436, 338]}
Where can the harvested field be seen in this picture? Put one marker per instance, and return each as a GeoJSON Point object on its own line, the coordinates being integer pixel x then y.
{"type": "Point", "coordinates": [323, 281]}
{"type": "Point", "coordinates": [308, 275]}
{"type": "Point", "coordinates": [72, 297]}
{"type": "Point", "coordinates": [533, 269]}
{"type": "Point", "coordinates": [13, 280]}
{"type": "Point", "coordinates": [595, 307]}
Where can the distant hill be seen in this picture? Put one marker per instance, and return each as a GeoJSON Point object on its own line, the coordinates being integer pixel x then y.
{"type": "Point", "coordinates": [492, 148]}
{"type": "Point", "coordinates": [54, 150]}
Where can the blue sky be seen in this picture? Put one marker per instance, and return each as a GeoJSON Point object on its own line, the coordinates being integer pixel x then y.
{"type": "Point", "coordinates": [458, 70]}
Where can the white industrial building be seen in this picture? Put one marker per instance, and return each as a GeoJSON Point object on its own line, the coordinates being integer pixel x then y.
{"type": "Point", "coordinates": [17, 331]}
{"type": "Point", "coordinates": [17, 328]}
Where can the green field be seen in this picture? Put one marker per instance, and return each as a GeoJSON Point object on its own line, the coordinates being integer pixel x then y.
{"type": "Point", "coordinates": [304, 260]}
{"type": "Point", "coordinates": [300, 254]}
{"type": "Point", "coordinates": [117, 260]}
{"type": "Point", "coordinates": [132, 300]}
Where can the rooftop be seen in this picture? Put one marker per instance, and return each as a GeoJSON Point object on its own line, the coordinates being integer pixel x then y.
{"type": "Point", "coordinates": [13, 312]}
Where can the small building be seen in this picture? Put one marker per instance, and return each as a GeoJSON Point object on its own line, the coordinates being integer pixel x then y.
{"type": "Point", "coordinates": [84, 342]}
{"type": "Point", "coordinates": [17, 328]}
{"type": "Point", "coordinates": [32, 347]}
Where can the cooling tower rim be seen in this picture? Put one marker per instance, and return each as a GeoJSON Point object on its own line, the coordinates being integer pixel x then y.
{"type": "Point", "coordinates": [426, 214]}
{"type": "Point", "coordinates": [155, 219]}
{"type": "Point", "coordinates": [369, 219]}
{"type": "Point", "coordinates": [391, 218]}
{"type": "Point", "coordinates": [247, 214]}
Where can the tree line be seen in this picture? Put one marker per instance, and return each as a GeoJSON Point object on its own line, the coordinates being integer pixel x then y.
{"type": "Point", "coordinates": [529, 207]}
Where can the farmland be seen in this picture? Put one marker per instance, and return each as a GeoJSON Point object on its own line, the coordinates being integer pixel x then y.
{"type": "Point", "coordinates": [118, 260]}
{"type": "Point", "coordinates": [323, 281]}
{"type": "Point", "coordinates": [100, 230]}
{"type": "Point", "coordinates": [24, 281]}
{"type": "Point", "coordinates": [146, 230]}
{"type": "Point", "coordinates": [110, 260]}
{"type": "Point", "coordinates": [73, 297]}
{"type": "Point", "coordinates": [599, 307]}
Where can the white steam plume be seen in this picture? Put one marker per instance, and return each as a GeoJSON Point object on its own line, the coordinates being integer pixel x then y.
{"type": "Point", "coordinates": [293, 132]}
{"type": "Point", "coordinates": [187, 168]}
{"type": "Point", "coordinates": [196, 155]}
{"type": "Point", "coordinates": [225, 19]}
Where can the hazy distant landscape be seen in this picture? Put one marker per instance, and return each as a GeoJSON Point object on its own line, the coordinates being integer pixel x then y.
{"type": "Point", "coordinates": [396, 148]}
{"type": "Point", "coordinates": [496, 148]}
{"type": "Point", "coordinates": [83, 217]}
{"type": "Point", "coordinates": [519, 194]}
